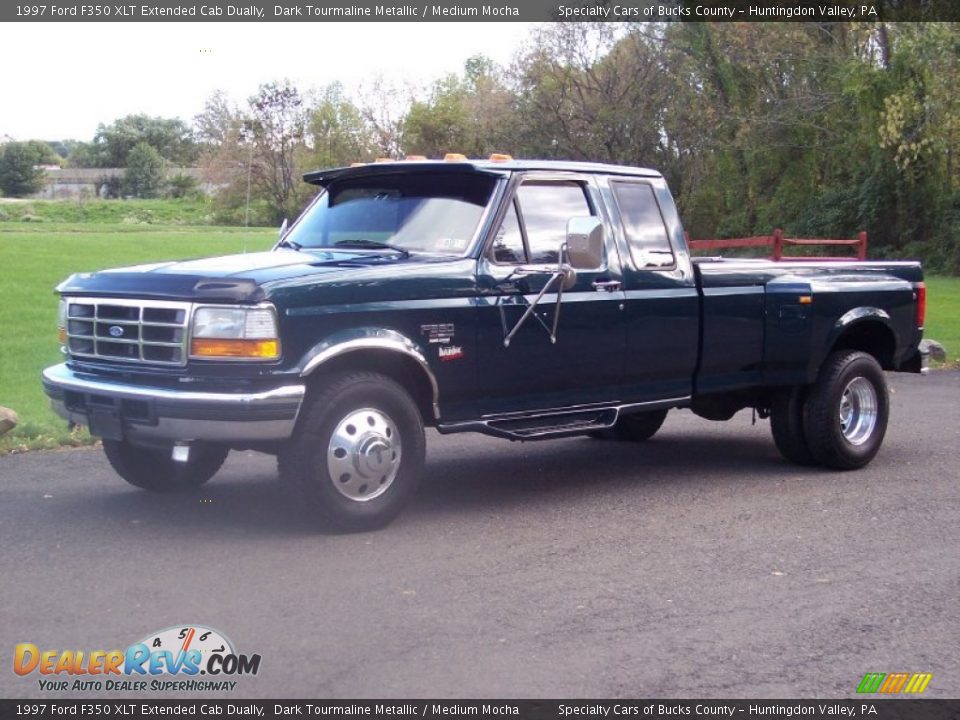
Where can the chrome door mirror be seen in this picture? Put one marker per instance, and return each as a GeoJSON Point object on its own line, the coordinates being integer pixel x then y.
{"type": "Point", "coordinates": [283, 229]}
{"type": "Point", "coordinates": [585, 243]}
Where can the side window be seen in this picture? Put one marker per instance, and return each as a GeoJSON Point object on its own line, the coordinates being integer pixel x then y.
{"type": "Point", "coordinates": [546, 208]}
{"type": "Point", "coordinates": [643, 225]}
{"type": "Point", "coordinates": [508, 244]}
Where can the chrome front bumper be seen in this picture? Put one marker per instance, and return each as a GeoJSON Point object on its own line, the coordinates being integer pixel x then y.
{"type": "Point", "coordinates": [153, 414]}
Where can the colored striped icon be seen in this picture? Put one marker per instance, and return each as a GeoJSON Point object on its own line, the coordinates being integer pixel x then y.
{"type": "Point", "coordinates": [893, 683]}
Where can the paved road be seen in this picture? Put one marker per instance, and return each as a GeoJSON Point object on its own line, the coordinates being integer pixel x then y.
{"type": "Point", "coordinates": [698, 564]}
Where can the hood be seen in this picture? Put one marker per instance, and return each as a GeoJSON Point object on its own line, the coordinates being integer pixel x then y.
{"type": "Point", "coordinates": [228, 278]}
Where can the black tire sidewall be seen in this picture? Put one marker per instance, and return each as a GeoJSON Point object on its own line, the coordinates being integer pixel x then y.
{"type": "Point", "coordinates": [821, 412]}
{"type": "Point", "coordinates": [154, 469]}
{"type": "Point", "coordinates": [639, 427]}
{"type": "Point", "coordinates": [786, 425]}
{"type": "Point", "coordinates": [310, 446]}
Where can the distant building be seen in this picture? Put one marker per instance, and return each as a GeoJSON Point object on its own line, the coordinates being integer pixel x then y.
{"type": "Point", "coordinates": [96, 182]}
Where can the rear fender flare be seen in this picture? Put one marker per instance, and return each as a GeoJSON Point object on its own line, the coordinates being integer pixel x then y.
{"type": "Point", "coordinates": [849, 320]}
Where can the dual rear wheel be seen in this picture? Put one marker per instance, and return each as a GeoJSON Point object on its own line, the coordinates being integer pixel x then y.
{"type": "Point", "coordinates": [840, 420]}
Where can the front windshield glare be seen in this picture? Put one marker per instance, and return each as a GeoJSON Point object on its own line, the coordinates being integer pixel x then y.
{"type": "Point", "coordinates": [418, 212]}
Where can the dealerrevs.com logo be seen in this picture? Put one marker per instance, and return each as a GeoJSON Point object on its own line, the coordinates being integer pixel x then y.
{"type": "Point", "coordinates": [180, 658]}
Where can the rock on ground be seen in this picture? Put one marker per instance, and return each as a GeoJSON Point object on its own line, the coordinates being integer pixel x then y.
{"type": "Point", "coordinates": [8, 420]}
{"type": "Point", "coordinates": [934, 349]}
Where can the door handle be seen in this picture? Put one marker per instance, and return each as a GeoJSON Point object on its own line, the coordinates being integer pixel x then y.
{"type": "Point", "coordinates": [606, 285]}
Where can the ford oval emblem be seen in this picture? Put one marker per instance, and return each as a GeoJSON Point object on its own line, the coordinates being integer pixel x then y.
{"type": "Point", "coordinates": [115, 331]}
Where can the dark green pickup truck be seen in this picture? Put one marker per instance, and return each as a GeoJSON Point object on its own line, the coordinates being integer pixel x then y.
{"type": "Point", "coordinates": [526, 300]}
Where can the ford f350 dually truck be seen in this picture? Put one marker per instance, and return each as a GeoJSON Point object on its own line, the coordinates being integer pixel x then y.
{"type": "Point", "coordinates": [521, 299]}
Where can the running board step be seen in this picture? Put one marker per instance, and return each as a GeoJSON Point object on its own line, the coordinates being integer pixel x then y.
{"type": "Point", "coordinates": [541, 427]}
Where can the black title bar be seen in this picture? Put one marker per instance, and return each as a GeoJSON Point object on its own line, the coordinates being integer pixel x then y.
{"type": "Point", "coordinates": [474, 11]}
{"type": "Point", "coordinates": [869, 708]}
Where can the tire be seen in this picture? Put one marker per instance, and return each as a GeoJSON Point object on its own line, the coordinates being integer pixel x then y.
{"type": "Point", "coordinates": [154, 469]}
{"type": "Point", "coordinates": [636, 427]}
{"type": "Point", "coordinates": [786, 424]}
{"type": "Point", "coordinates": [357, 453]}
{"type": "Point", "coordinates": [846, 411]}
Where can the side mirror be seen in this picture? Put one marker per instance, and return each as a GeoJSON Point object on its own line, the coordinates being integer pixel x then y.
{"type": "Point", "coordinates": [283, 228]}
{"type": "Point", "coordinates": [585, 243]}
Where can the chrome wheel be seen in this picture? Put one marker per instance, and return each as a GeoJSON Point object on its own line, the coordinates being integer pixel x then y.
{"type": "Point", "coordinates": [858, 410]}
{"type": "Point", "coordinates": [364, 454]}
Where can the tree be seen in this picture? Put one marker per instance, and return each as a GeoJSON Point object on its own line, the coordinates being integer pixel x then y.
{"type": "Point", "coordinates": [170, 137]}
{"type": "Point", "coordinates": [224, 157]}
{"type": "Point", "coordinates": [219, 123]}
{"type": "Point", "coordinates": [182, 185]}
{"type": "Point", "coordinates": [255, 155]}
{"type": "Point", "coordinates": [338, 133]}
{"type": "Point", "coordinates": [81, 154]}
{"type": "Point", "coordinates": [20, 171]}
{"type": "Point", "coordinates": [440, 124]}
{"type": "Point", "coordinates": [586, 91]}
{"type": "Point", "coordinates": [275, 128]}
{"type": "Point", "coordinates": [144, 176]}
{"type": "Point", "coordinates": [471, 114]}
{"type": "Point", "coordinates": [383, 106]}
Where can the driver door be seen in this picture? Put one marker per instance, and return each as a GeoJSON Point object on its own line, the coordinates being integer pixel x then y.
{"type": "Point", "coordinates": [585, 364]}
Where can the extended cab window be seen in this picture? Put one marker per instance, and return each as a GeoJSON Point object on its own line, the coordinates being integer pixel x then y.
{"type": "Point", "coordinates": [427, 212]}
{"type": "Point", "coordinates": [536, 234]}
{"type": "Point", "coordinates": [643, 224]}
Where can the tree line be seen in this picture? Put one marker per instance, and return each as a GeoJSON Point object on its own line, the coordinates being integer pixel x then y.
{"type": "Point", "coordinates": [823, 129]}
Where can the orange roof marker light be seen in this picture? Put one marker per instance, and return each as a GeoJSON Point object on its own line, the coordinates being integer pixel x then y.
{"type": "Point", "coordinates": [416, 157]}
{"type": "Point", "coordinates": [357, 164]}
{"type": "Point", "coordinates": [500, 157]}
{"type": "Point", "coordinates": [384, 160]}
{"type": "Point", "coordinates": [454, 157]}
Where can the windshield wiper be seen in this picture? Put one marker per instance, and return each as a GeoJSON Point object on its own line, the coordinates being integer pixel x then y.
{"type": "Point", "coordinates": [372, 244]}
{"type": "Point", "coordinates": [293, 244]}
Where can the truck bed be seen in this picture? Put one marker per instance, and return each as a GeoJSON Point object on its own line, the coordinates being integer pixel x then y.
{"type": "Point", "coordinates": [770, 323]}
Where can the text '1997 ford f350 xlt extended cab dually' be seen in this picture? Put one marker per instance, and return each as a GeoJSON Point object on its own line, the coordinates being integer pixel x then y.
{"type": "Point", "coordinates": [521, 299]}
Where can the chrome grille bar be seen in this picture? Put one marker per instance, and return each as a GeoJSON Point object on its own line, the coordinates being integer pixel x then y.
{"type": "Point", "coordinates": [129, 331]}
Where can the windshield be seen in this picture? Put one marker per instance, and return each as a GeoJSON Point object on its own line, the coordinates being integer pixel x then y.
{"type": "Point", "coordinates": [415, 212]}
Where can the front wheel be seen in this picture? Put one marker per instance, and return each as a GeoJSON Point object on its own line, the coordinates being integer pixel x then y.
{"type": "Point", "coordinates": [154, 468]}
{"type": "Point", "coordinates": [846, 410]}
{"type": "Point", "coordinates": [358, 451]}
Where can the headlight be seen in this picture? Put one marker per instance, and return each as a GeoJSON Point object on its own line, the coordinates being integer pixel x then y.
{"type": "Point", "coordinates": [235, 333]}
{"type": "Point", "coordinates": [62, 322]}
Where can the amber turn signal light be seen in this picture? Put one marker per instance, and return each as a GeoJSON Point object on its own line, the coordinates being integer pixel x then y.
{"type": "Point", "coordinates": [214, 347]}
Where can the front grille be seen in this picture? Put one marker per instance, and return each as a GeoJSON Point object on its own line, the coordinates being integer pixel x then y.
{"type": "Point", "coordinates": [135, 331]}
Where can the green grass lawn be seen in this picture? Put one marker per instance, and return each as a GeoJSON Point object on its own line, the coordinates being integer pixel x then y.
{"type": "Point", "coordinates": [185, 211]}
{"type": "Point", "coordinates": [34, 258]}
{"type": "Point", "coordinates": [943, 315]}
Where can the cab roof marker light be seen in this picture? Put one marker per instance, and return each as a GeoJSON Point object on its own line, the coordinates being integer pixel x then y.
{"type": "Point", "coordinates": [454, 157]}
{"type": "Point", "coordinates": [500, 157]}
{"type": "Point", "coordinates": [357, 164]}
{"type": "Point", "coordinates": [416, 157]}
{"type": "Point", "coordinates": [383, 159]}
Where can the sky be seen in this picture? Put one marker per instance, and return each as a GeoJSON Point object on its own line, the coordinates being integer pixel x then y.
{"type": "Point", "coordinates": [60, 80]}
